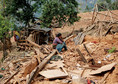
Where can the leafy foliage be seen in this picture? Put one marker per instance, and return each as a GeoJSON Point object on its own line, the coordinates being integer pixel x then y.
{"type": "Point", "coordinates": [107, 4]}
{"type": "Point", "coordinates": [58, 12]}
{"type": "Point", "coordinates": [22, 10]}
{"type": "Point", "coordinates": [5, 25]}
{"type": "Point", "coordinates": [114, 5]}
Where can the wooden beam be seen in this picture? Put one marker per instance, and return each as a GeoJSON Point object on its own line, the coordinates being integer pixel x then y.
{"type": "Point", "coordinates": [108, 30]}
{"type": "Point", "coordinates": [33, 43]}
{"type": "Point", "coordinates": [93, 15]}
{"type": "Point", "coordinates": [34, 73]}
{"type": "Point", "coordinates": [83, 58]}
{"type": "Point", "coordinates": [68, 38]}
{"type": "Point", "coordinates": [89, 54]}
{"type": "Point", "coordinates": [6, 82]}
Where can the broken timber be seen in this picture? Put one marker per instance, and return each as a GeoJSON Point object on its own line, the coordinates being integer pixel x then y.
{"type": "Point", "coordinates": [79, 38]}
{"type": "Point", "coordinates": [6, 82]}
{"type": "Point", "coordinates": [83, 58]}
{"type": "Point", "coordinates": [39, 68]}
{"type": "Point", "coordinates": [33, 43]}
{"type": "Point", "coordinates": [89, 54]}
{"type": "Point", "coordinates": [108, 30]}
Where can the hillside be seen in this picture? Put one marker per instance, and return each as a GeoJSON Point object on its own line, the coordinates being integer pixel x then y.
{"type": "Point", "coordinates": [86, 21]}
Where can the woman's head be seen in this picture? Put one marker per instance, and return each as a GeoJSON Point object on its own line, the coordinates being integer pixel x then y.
{"type": "Point", "coordinates": [59, 35]}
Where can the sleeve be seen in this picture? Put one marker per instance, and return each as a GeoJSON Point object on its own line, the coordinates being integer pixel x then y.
{"type": "Point", "coordinates": [59, 41]}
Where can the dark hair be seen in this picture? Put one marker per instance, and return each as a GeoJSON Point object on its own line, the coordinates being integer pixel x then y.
{"type": "Point", "coordinates": [59, 34]}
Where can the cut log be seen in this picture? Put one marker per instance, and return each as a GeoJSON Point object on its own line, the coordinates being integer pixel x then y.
{"type": "Point", "coordinates": [34, 73]}
{"type": "Point", "coordinates": [83, 58]}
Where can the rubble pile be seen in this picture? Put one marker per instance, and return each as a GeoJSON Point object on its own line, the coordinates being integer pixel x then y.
{"type": "Point", "coordinates": [91, 58]}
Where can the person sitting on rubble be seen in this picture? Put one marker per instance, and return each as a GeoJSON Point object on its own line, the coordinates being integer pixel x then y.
{"type": "Point", "coordinates": [16, 36]}
{"type": "Point", "coordinates": [58, 43]}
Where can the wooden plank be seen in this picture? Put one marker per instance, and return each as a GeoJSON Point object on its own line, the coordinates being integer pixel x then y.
{"type": "Point", "coordinates": [34, 73]}
{"type": "Point", "coordinates": [82, 39]}
{"type": "Point", "coordinates": [103, 69]}
{"type": "Point", "coordinates": [52, 74]}
{"type": "Point", "coordinates": [29, 67]}
{"type": "Point", "coordinates": [77, 38]}
{"type": "Point", "coordinates": [83, 58]}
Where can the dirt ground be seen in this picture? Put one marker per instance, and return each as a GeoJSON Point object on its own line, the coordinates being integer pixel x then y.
{"type": "Point", "coordinates": [85, 21]}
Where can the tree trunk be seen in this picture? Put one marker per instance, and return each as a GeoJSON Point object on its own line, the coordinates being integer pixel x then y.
{"type": "Point", "coordinates": [4, 48]}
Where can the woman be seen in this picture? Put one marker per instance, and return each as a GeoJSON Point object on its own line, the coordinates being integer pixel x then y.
{"type": "Point", "coordinates": [58, 43]}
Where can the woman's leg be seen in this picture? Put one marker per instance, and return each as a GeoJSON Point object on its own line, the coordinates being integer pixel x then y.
{"type": "Point", "coordinates": [64, 46]}
{"type": "Point", "coordinates": [59, 47]}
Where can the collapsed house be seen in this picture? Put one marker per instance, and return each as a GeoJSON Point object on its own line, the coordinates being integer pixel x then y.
{"type": "Point", "coordinates": [40, 35]}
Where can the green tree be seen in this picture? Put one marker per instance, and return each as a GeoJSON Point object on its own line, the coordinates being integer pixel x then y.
{"type": "Point", "coordinates": [22, 10]}
{"type": "Point", "coordinates": [108, 4]}
{"type": "Point", "coordinates": [102, 4]}
{"type": "Point", "coordinates": [51, 10]}
{"type": "Point", "coordinates": [114, 5]}
{"type": "Point", "coordinates": [59, 12]}
{"type": "Point", "coordinates": [5, 25]}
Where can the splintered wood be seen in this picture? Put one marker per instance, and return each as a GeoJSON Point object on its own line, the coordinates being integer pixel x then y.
{"type": "Point", "coordinates": [34, 73]}
{"type": "Point", "coordinates": [29, 67]}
